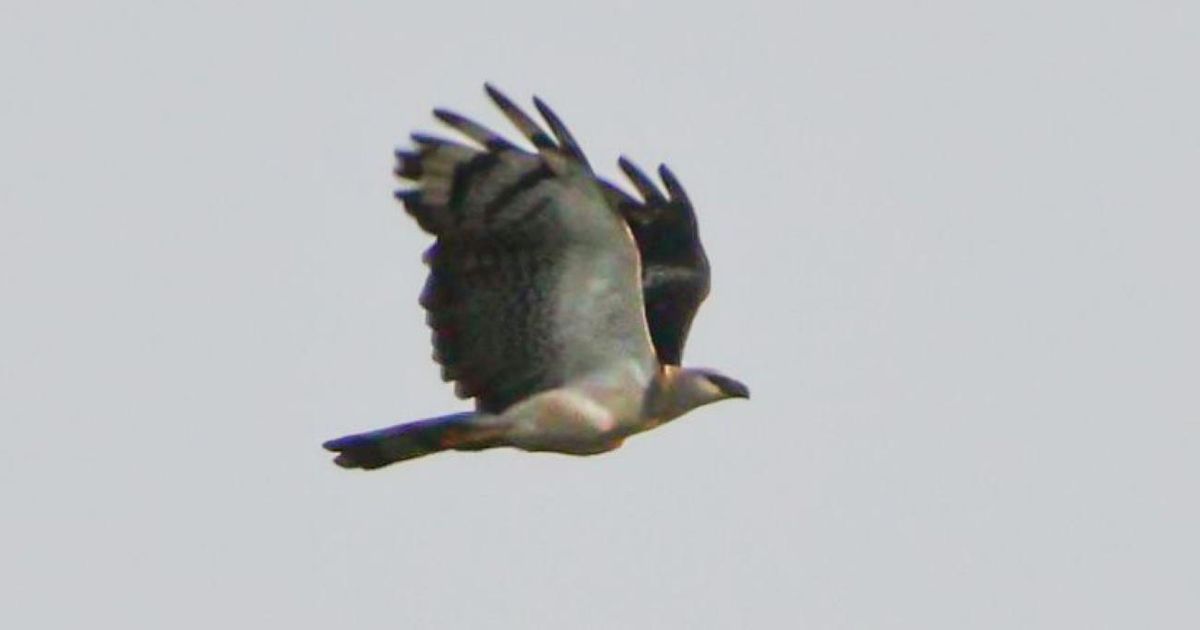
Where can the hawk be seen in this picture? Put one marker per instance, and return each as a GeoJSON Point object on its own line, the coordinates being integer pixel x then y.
{"type": "Point", "coordinates": [557, 301]}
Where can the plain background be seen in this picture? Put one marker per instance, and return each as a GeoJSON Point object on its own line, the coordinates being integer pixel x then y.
{"type": "Point", "coordinates": [955, 258]}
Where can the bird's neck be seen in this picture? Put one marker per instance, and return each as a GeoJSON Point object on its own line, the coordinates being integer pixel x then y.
{"type": "Point", "coordinates": [670, 395]}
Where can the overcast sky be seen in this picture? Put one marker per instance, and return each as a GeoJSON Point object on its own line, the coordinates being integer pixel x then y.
{"type": "Point", "coordinates": [954, 248]}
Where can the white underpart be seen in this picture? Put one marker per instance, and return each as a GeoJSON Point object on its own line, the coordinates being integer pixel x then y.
{"type": "Point", "coordinates": [591, 415]}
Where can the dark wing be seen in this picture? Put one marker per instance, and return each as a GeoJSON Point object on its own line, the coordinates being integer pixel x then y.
{"type": "Point", "coordinates": [675, 271]}
{"type": "Point", "coordinates": [534, 277]}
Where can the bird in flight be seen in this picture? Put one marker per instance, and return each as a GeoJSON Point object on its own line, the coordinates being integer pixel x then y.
{"type": "Point", "coordinates": [557, 301]}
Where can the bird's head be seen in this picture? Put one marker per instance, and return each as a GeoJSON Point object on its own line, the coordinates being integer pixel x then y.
{"type": "Point", "coordinates": [717, 386]}
{"type": "Point", "coordinates": [684, 389]}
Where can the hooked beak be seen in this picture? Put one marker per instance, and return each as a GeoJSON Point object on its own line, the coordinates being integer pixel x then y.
{"type": "Point", "coordinates": [732, 388]}
{"type": "Point", "coordinates": [739, 390]}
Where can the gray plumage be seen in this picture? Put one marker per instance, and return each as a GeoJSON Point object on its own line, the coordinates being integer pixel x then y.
{"type": "Point", "coordinates": [536, 296]}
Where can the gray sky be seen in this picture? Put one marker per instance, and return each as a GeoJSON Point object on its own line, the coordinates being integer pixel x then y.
{"type": "Point", "coordinates": [954, 252]}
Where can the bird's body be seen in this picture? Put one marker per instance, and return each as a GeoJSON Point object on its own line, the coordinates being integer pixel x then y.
{"type": "Point", "coordinates": [550, 301]}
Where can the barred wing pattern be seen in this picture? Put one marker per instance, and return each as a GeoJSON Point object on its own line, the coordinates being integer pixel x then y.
{"type": "Point", "coordinates": [675, 269]}
{"type": "Point", "coordinates": [534, 277]}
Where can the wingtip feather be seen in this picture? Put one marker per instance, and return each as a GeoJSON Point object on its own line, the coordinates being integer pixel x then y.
{"type": "Point", "coordinates": [645, 186]}
{"type": "Point", "coordinates": [674, 188]}
{"type": "Point", "coordinates": [473, 130]}
{"type": "Point", "coordinates": [530, 129]}
{"type": "Point", "coordinates": [565, 139]}
{"type": "Point", "coordinates": [408, 165]}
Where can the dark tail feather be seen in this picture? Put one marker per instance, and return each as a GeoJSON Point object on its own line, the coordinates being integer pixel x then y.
{"type": "Point", "coordinates": [376, 449]}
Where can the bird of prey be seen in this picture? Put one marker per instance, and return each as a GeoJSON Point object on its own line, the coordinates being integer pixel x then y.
{"type": "Point", "coordinates": [557, 301]}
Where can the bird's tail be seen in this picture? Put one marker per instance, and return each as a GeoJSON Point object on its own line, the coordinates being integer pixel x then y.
{"type": "Point", "coordinates": [376, 449]}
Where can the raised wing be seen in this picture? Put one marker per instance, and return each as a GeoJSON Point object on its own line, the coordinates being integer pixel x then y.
{"type": "Point", "coordinates": [534, 277]}
{"type": "Point", "coordinates": [675, 271]}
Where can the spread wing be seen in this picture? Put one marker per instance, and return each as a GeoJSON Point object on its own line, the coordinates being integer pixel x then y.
{"type": "Point", "coordinates": [534, 277]}
{"type": "Point", "coordinates": [675, 271]}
